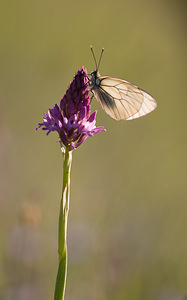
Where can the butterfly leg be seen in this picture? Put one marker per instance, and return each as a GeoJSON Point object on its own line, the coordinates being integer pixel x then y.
{"type": "Point", "coordinates": [91, 97]}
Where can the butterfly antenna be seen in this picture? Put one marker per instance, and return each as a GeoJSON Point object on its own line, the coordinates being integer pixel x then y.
{"type": "Point", "coordinates": [100, 58]}
{"type": "Point", "coordinates": [93, 56]}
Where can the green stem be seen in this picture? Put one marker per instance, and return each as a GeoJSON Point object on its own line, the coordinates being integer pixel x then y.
{"type": "Point", "coordinates": [62, 233]}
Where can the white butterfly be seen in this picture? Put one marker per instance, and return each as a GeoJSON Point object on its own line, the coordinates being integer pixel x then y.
{"type": "Point", "coordinates": [120, 99]}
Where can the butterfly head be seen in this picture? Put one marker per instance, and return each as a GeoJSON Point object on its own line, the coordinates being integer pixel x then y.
{"type": "Point", "coordinates": [94, 80]}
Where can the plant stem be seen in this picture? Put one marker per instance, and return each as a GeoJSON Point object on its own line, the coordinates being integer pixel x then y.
{"type": "Point", "coordinates": [62, 231]}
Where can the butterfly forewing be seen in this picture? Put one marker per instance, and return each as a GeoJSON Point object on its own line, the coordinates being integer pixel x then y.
{"type": "Point", "coordinates": [121, 99]}
{"type": "Point", "coordinates": [148, 105]}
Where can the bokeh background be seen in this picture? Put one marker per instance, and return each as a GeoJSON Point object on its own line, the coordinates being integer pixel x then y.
{"type": "Point", "coordinates": [127, 231]}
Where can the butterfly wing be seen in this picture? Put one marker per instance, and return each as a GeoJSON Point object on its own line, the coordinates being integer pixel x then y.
{"type": "Point", "coordinates": [122, 100]}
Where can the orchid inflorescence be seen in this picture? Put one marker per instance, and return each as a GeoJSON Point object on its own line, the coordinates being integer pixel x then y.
{"type": "Point", "coordinates": [72, 120]}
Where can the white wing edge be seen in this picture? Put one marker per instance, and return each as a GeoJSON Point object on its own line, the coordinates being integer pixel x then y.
{"type": "Point", "coordinates": [148, 105]}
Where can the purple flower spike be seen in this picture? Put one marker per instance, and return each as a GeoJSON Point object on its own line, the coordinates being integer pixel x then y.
{"type": "Point", "coordinates": [72, 120]}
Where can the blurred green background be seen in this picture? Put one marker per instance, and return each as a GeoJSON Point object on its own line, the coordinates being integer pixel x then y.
{"type": "Point", "coordinates": [127, 231]}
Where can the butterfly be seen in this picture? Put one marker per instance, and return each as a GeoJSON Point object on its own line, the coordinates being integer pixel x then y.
{"type": "Point", "coordinates": [120, 99]}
